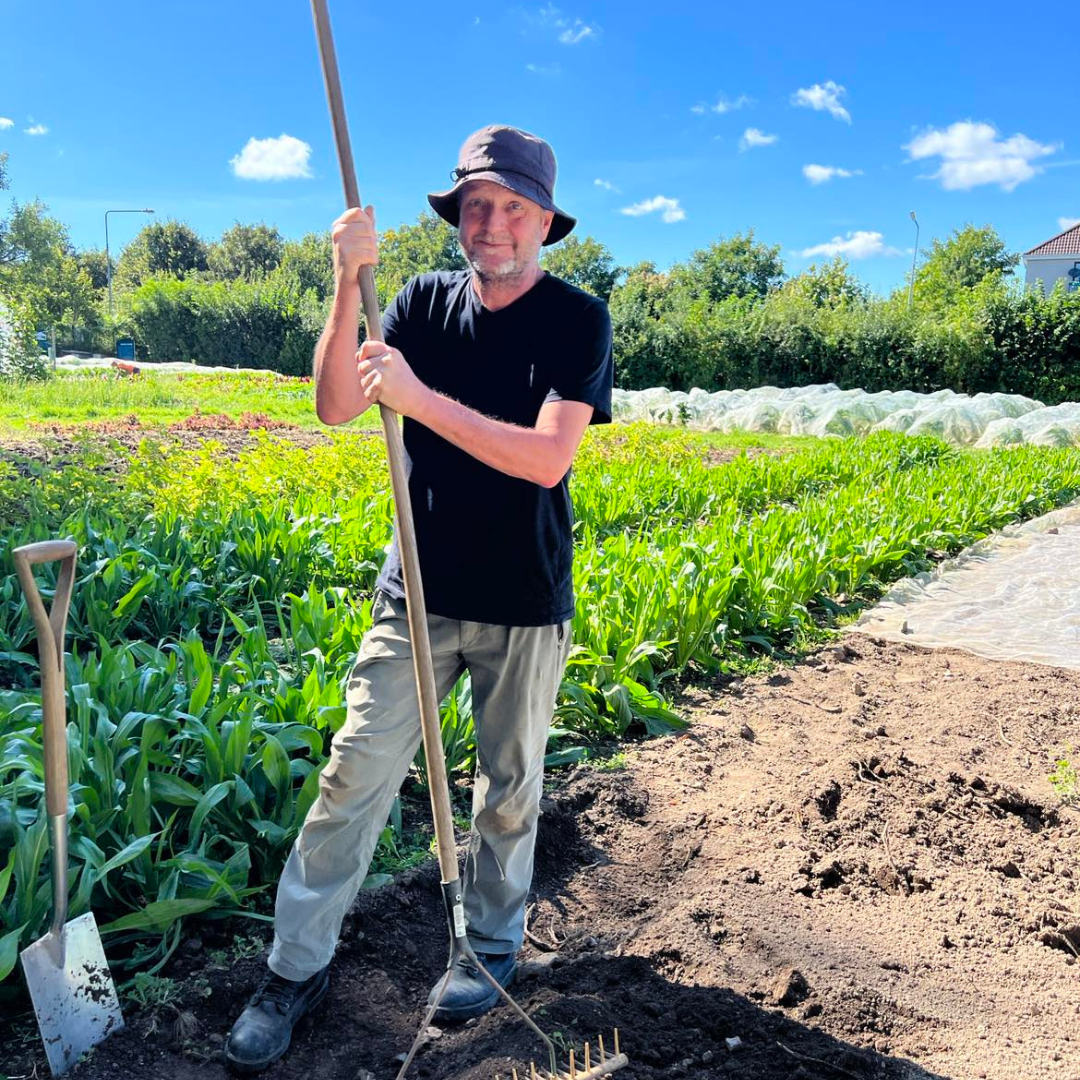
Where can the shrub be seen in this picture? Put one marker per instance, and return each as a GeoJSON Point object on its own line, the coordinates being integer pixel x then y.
{"type": "Point", "coordinates": [20, 356]}
{"type": "Point", "coordinates": [268, 323]}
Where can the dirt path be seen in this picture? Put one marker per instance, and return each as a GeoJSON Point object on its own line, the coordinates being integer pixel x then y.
{"type": "Point", "coordinates": [857, 867]}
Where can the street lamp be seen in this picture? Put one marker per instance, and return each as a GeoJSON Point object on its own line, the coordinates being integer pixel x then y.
{"type": "Point", "coordinates": [914, 256]}
{"type": "Point", "coordinates": [108, 261]}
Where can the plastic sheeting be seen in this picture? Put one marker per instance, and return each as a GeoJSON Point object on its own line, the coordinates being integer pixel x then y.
{"type": "Point", "coordinates": [826, 410]}
{"type": "Point", "coordinates": [1013, 596]}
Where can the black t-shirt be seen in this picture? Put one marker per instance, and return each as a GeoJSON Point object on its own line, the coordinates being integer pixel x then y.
{"type": "Point", "coordinates": [494, 548]}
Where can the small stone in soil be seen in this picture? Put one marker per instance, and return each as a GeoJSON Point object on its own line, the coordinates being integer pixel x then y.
{"type": "Point", "coordinates": [790, 987]}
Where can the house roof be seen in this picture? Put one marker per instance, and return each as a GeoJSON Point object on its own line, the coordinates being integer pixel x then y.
{"type": "Point", "coordinates": [1066, 243]}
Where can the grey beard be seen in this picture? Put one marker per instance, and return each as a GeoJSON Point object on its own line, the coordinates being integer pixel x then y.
{"type": "Point", "coordinates": [505, 272]}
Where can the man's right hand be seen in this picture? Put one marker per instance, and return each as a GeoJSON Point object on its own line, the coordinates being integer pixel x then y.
{"type": "Point", "coordinates": [355, 244]}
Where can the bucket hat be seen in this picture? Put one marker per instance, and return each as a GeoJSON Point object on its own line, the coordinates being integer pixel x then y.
{"type": "Point", "coordinates": [513, 158]}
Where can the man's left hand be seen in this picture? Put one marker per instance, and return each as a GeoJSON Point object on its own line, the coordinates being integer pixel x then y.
{"type": "Point", "coordinates": [386, 377]}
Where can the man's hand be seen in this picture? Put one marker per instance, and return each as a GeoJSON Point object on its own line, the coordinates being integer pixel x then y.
{"type": "Point", "coordinates": [355, 244]}
{"type": "Point", "coordinates": [386, 377]}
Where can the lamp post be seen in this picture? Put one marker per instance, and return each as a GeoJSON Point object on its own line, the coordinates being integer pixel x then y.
{"type": "Point", "coordinates": [914, 256]}
{"type": "Point", "coordinates": [108, 261]}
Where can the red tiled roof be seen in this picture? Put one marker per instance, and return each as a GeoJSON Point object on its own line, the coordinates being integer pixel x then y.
{"type": "Point", "coordinates": [1066, 243]}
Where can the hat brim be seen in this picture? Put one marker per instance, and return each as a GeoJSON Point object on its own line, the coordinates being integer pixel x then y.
{"type": "Point", "coordinates": [445, 203]}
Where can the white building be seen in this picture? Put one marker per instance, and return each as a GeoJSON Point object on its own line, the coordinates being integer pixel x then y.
{"type": "Point", "coordinates": [1057, 259]}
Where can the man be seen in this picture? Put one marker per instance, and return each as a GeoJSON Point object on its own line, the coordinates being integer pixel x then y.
{"type": "Point", "coordinates": [497, 371]}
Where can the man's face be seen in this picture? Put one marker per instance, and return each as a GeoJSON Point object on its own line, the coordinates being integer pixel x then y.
{"type": "Point", "coordinates": [500, 231]}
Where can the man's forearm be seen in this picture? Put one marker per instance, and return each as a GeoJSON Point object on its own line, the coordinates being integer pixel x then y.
{"type": "Point", "coordinates": [338, 394]}
{"type": "Point", "coordinates": [541, 454]}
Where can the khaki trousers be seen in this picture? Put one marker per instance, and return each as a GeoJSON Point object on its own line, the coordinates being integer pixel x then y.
{"type": "Point", "coordinates": [515, 671]}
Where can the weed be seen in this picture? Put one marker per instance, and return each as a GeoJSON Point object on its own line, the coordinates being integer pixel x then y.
{"type": "Point", "coordinates": [1065, 779]}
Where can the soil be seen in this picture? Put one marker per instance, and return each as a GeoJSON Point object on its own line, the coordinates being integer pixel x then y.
{"type": "Point", "coordinates": [856, 866]}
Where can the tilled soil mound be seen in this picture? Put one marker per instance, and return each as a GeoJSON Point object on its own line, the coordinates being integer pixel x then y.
{"type": "Point", "coordinates": [857, 868]}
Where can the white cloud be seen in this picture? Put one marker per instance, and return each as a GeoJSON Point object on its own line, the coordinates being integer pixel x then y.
{"type": "Point", "coordinates": [551, 71]}
{"type": "Point", "coordinates": [36, 129]}
{"type": "Point", "coordinates": [283, 158]}
{"type": "Point", "coordinates": [725, 106]}
{"type": "Point", "coordinates": [571, 31]}
{"type": "Point", "coordinates": [856, 245]}
{"type": "Point", "coordinates": [6, 123]}
{"type": "Point", "coordinates": [607, 185]}
{"type": "Point", "coordinates": [751, 137]}
{"type": "Point", "coordinates": [670, 210]}
{"type": "Point", "coordinates": [973, 154]}
{"type": "Point", "coordinates": [823, 98]}
{"type": "Point", "coordinates": [1067, 222]}
{"type": "Point", "coordinates": [572, 35]}
{"type": "Point", "coordinates": [819, 174]}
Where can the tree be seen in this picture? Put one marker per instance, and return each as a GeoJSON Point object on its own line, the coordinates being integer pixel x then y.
{"type": "Point", "coordinates": [585, 263]}
{"type": "Point", "coordinates": [310, 260]}
{"type": "Point", "coordinates": [92, 260]}
{"type": "Point", "coordinates": [162, 247]}
{"type": "Point", "coordinates": [404, 252]}
{"type": "Point", "coordinates": [30, 239]}
{"type": "Point", "coordinates": [964, 260]}
{"type": "Point", "coordinates": [741, 266]}
{"type": "Point", "coordinates": [829, 285]}
{"type": "Point", "coordinates": [246, 252]}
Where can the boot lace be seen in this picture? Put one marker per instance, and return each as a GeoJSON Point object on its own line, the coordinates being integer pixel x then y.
{"type": "Point", "coordinates": [278, 992]}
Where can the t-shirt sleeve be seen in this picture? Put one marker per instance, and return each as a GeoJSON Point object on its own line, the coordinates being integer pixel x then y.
{"type": "Point", "coordinates": [587, 372]}
{"type": "Point", "coordinates": [395, 318]}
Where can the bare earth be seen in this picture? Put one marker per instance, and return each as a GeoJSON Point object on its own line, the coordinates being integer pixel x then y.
{"type": "Point", "coordinates": [856, 866]}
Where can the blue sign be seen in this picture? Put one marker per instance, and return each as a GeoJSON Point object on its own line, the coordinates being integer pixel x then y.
{"type": "Point", "coordinates": [125, 349]}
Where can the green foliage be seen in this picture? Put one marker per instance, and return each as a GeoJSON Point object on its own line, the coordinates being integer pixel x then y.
{"type": "Point", "coordinates": [247, 252]}
{"type": "Point", "coordinates": [92, 261]}
{"type": "Point", "coordinates": [961, 262]}
{"type": "Point", "coordinates": [267, 323]}
{"type": "Point", "coordinates": [408, 250]}
{"type": "Point", "coordinates": [822, 327]}
{"type": "Point", "coordinates": [162, 247]}
{"type": "Point", "coordinates": [831, 285]}
{"type": "Point", "coordinates": [310, 262]}
{"type": "Point", "coordinates": [585, 263]}
{"type": "Point", "coordinates": [1065, 779]}
{"type": "Point", "coordinates": [220, 604]}
{"type": "Point", "coordinates": [740, 266]}
{"type": "Point", "coordinates": [20, 357]}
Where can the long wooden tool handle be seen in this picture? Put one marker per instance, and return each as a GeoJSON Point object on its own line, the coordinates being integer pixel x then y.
{"type": "Point", "coordinates": [406, 533]}
{"type": "Point", "coordinates": [50, 626]}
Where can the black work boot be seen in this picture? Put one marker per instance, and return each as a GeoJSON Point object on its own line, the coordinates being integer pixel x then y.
{"type": "Point", "coordinates": [262, 1032]}
{"type": "Point", "coordinates": [469, 993]}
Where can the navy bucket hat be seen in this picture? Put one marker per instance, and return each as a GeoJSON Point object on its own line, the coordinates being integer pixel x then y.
{"type": "Point", "coordinates": [513, 158]}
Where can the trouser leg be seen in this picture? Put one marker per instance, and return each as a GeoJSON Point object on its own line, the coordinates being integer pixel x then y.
{"type": "Point", "coordinates": [516, 673]}
{"type": "Point", "coordinates": [369, 759]}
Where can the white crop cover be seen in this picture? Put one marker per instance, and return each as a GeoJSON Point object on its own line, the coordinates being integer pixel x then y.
{"type": "Point", "coordinates": [983, 420]}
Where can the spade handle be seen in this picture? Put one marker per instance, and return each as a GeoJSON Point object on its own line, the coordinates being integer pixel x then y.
{"type": "Point", "coordinates": [51, 626]}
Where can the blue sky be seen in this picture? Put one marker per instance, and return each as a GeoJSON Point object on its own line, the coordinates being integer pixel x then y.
{"type": "Point", "coordinates": [673, 122]}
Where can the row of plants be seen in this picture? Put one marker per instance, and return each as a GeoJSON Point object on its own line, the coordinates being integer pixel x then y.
{"type": "Point", "coordinates": [220, 603]}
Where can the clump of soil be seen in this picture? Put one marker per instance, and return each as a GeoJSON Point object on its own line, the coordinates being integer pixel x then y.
{"type": "Point", "coordinates": [855, 867]}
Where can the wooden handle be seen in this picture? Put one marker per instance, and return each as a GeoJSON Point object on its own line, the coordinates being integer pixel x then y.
{"type": "Point", "coordinates": [46, 551]}
{"type": "Point", "coordinates": [51, 627]}
{"type": "Point", "coordinates": [395, 449]}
